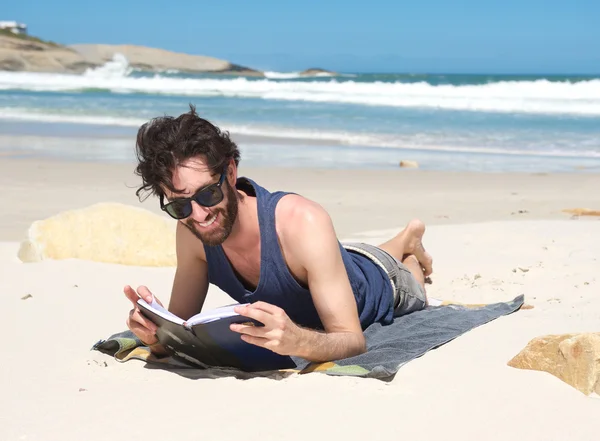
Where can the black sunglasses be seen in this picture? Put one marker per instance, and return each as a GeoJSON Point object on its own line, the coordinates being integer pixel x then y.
{"type": "Point", "coordinates": [208, 196]}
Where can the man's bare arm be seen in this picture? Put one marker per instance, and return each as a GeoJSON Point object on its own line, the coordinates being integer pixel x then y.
{"type": "Point", "coordinates": [190, 284]}
{"type": "Point", "coordinates": [308, 236]}
{"type": "Point", "coordinates": [312, 238]}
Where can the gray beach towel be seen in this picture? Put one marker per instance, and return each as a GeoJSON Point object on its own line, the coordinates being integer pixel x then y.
{"type": "Point", "coordinates": [389, 347]}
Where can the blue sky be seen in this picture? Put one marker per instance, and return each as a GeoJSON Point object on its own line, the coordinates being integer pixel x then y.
{"type": "Point", "coordinates": [509, 36]}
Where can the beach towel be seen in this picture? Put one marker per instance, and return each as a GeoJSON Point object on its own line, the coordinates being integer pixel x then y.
{"type": "Point", "coordinates": [389, 347]}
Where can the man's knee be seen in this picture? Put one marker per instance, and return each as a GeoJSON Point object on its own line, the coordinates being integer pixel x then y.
{"type": "Point", "coordinates": [411, 290]}
{"type": "Point", "coordinates": [414, 267]}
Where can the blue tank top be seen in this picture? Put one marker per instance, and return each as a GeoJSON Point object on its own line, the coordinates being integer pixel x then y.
{"type": "Point", "coordinates": [277, 286]}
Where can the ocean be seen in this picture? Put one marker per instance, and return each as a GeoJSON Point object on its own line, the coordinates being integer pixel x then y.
{"type": "Point", "coordinates": [490, 123]}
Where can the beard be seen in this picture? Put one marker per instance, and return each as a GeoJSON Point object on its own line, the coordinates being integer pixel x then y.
{"type": "Point", "coordinates": [226, 220]}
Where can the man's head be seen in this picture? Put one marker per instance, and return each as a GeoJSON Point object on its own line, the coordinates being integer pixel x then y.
{"type": "Point", "coordinates": [191, 166]}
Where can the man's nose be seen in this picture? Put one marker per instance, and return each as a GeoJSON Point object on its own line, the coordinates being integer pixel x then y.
{"type": "Point", "coordinates": [199, 213]}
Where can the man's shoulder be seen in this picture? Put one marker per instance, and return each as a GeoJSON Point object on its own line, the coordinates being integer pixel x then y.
{"type": "Point", "coordinates": [297, 215]}
{"type": "Point", "coordinates": [297, 208]}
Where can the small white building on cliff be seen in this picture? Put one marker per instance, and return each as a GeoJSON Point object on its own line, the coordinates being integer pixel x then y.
{"type": "Point", "coordinates": [14, 27]}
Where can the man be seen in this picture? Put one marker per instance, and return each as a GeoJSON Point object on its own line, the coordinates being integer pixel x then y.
{"type": "Point", "coordinates": [276, 251]}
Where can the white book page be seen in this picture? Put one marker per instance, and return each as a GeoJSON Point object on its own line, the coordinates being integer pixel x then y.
{"type": "Point", "coordinates": [161, 311]}
{"type": "Point", "coordinates": [213, 314]}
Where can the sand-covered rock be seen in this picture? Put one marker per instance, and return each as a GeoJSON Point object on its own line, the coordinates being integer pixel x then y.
{"type": "Point", "coordinates": [18, 54]}
{"type": "Point", "coordinates": [30, 54]}
{"type": "Point", "coordinates": [153, 59]}
{"type": "Point", "coordinates": [574, 358]}
{"type": "Point", "coordinates": [582, 212]}
{"type": "Point", "coordinates": [409, 164]}
{"type": "Point", "coordinates": [104, 232]}
{"type": "Point", "coordinates": [316, 72]}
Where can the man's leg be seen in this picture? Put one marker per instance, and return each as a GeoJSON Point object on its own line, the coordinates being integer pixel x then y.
{"type": "Point", "coordinates": [414, 267]}
{"type": "Point", "coordinates": [410, 242]}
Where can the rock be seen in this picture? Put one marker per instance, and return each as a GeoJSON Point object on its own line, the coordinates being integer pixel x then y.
{"type": "Point", "coordinates": [104, 232]}
{"type": "Point", "coordinates": [157, 60]}
{"type": "Point", "coordinates": [409, 164]}
{"type": "Point", "coordinates": [582, 212]}
{"type": "Point", "coordinates": [19, 54]}
{"type": "Point", "coordinates": [574, 358]}
{"type": "Point", "coordinates": [316, 72]}
{"type": "Point", "coordinates": [30, 54]}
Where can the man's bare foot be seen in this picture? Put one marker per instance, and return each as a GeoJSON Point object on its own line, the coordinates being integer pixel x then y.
{"type": "Point", "coordinates": [413, 244]}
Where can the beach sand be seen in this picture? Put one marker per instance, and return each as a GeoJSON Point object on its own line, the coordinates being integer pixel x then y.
{"type": "Point", "coordinates": [506, 229]}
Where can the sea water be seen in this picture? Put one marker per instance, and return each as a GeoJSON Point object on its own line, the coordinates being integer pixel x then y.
{"type": "Point", "coordinates": [354, 120]}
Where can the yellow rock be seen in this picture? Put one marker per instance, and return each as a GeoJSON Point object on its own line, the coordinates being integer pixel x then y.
{"type": "Point", "coordinates": [409, 164]}
{"type": "Point", "coordinates": [574, 358]}
{"type": "Point", "coordinates": [104, 232]}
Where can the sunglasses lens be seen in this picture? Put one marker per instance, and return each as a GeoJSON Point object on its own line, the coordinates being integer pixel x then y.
{"type": "Point", "coordinates": [209, 196]}
{"type": "Point", "coordinates": [179, 210]}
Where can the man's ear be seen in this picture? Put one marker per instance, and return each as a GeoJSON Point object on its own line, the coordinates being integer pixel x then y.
{"type": "Point", "coordinates": [232, 173]}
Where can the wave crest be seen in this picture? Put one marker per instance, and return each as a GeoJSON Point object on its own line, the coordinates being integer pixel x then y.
{"type": "Point", "coordinates": [538, 97]}
{"type": "Point", "coordinates": [118, 67]}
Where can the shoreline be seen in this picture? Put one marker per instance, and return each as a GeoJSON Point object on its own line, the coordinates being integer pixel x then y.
{"type": "Point", "coordinates": [118, 148]}
{"type": "Point", "coordinates": [354, 198]}
{"type": "Point", "coordinates": [18, 130]}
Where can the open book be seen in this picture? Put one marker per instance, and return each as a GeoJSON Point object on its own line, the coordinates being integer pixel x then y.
{"type": "Point", "coordinates": [205, 339]}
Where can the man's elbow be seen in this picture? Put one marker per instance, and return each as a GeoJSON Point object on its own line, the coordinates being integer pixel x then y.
{"type": "Point", "coordinates": [360, 346]}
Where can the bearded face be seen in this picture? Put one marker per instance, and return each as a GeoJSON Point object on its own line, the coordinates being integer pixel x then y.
{"type": "Point", "coordinates": [217, 226]}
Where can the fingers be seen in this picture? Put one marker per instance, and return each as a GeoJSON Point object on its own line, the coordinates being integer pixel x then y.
{"type": "Point", "coordinates": [131, 294]}
{"type": "Point", "coordinates": [141, 326]}
{"type": "Point", "coordinates": [267, 307]}
{"type": "Point", "coordinates": [145, 293]}
{"type": "Point", "coordinates": [255, 331]}
{"type": "Point", "coordinates": [142, 292]}
{"type": "Point", "coordinates": [257, 341]}
{"type": "Point", "coordinates": [146, 335]}
{"type": "Point", "coordinates": [255, 313]}
{"type": "Point", "coordinates": [136, 316]}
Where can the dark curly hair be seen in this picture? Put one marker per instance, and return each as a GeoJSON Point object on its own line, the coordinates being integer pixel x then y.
{"type": "Point", "coordinates": [165, 142]}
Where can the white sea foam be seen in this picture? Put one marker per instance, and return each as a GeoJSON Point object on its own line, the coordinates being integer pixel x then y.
{"type": "Point", "coordinates": [41, 116]}
{"type": "Point", "coordinates": [395, 141]}
{"type": "Point", "coordinates": [282, 75]}
{"type": "Point", "coordinates": [538, 97]}
{"type": "Point", "coordinates": [295, 75]}
{"type": "Point", "coordinates": [118, 67]}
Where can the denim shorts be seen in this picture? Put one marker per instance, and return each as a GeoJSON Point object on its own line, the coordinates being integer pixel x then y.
{"type": "Point", "coordinates": [409, 295]}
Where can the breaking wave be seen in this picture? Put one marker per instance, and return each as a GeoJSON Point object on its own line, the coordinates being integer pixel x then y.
{"type": "Point", "coordinates": [538, 96]}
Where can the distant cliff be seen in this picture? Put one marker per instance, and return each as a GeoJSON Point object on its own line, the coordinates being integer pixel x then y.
{"type": "Point", "coordinates": [30, 54]}
{"type": "Point", "coordinates": [153, 59]}
{"type": "Point", "coordinates": [33, 55]}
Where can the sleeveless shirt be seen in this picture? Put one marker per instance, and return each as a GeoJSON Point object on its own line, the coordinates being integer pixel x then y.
{"type": "Point", "coordinates": [371, 286]}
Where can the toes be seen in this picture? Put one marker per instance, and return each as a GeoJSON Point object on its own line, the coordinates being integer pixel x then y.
{"type": "Point", "coordinates": [424, 259]}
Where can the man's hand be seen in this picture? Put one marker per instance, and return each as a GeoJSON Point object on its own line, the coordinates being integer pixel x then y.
{"type": "Point", "coordinates": [279, 333]}
{"type": "Point", "coordinates": [143, 328]}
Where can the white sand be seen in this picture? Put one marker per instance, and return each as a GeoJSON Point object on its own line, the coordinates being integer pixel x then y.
{"type": "Point", "coordinates": [461, 391]}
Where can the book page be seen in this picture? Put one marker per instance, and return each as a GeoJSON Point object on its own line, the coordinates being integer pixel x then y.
{"type": "Point", "coordinates": [161, 311]}
{"type": "Point", "coordinates": [213, 314]}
